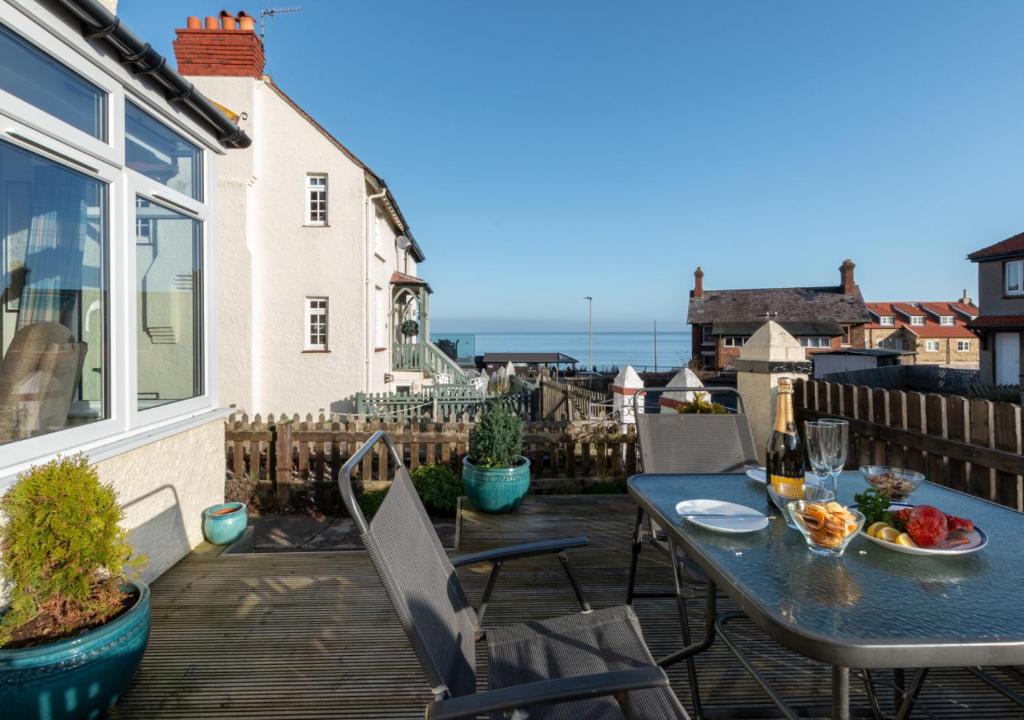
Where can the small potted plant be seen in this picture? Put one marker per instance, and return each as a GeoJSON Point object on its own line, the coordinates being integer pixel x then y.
{"type": "Point", "coordinates": [495, 475]}
{"type": "Point", "coordinates": [77, 627]}
{"type": "Point", "coordinates": [410, 328]}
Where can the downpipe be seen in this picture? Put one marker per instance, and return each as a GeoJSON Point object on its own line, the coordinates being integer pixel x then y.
{"type": "Point", "coordinates": [367, 300]}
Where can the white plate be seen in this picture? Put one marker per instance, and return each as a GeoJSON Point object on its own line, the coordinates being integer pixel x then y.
{"type": "Point", "coordinates": [976, 540]}
{"type": "Point", "coordinates": [696, 511]}
{"type": "Point", "coordinates": [757, 474]}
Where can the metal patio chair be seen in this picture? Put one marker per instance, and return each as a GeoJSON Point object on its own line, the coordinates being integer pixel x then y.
{"type": "Point", "coordinates": [594, 664]}
{"type": "Point", "coordinates": [674, 443]}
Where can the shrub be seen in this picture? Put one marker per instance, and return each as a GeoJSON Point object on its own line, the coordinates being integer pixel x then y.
{"type": "Point", "coordinates": [410, 328]}
{"type": "Point", "coordinates": [64, 551]}
{"type": "Point", "coordinates": [439, 487]}
{"type": "Point", "coordinates": [497, 437]}
{"type": "Point", "coordinates": [244, 489]}
{"type": "Point", "coordinates": [370, 502]}
{"type": "Point", "coordinates": [701, 405]}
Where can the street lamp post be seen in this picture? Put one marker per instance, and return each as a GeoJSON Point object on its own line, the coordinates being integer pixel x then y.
{"type": "Point", "coordinates": [590, 333]}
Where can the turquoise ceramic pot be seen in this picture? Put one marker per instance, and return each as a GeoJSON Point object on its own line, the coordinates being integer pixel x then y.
{"type": "Point", "coordinates": [224, 529]}
{"type": "Point", "coordinates": [76, 678]}
{"type": "Point", "coordinates": [496, 490]}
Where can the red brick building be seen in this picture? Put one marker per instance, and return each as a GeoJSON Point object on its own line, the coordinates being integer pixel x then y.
{"type": "Point", "coordinates": [936, 331]}
{"type": "Point", "coordinates": [821, 318]}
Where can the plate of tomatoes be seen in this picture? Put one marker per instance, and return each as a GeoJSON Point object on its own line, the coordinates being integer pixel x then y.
{"type": "Point", "coordinates": [918, 529]}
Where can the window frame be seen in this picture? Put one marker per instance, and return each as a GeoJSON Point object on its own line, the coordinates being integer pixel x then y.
{"type": "Point", "coordinates": [963, 346]}
{"type": "Point", "coordinates": [817, 342]}
{"type": "Point", "coordinates": [917, 320]}
{"type": "Point", "coordinates": [307, 314]}
{"type": "Point", "coordinates": [887, 320]}
{"type": "Point", "coordinates": [308, 199]}
{"type": "Point", "coordinates": [932, 345]}
{"type": "Point", "coordinates": [1019, 264]}
{"type": "Point", "coordinates": [731, 341]}
{"type": "Point", "coordinates": [947, 320]}
{"type": "Point", "coordinates": [707, 336]}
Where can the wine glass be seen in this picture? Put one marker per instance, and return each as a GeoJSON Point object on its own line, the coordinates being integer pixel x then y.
{"type": "Point", "coordinates": [837, 449]}
{"type": "Point", "coordinates": [820, 439]}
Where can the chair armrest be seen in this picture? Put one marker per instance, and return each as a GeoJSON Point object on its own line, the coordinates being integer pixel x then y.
{"type": "Point", "coordinates": [542, 547]}
{"type": "Point", "coordinates": [548, 692]}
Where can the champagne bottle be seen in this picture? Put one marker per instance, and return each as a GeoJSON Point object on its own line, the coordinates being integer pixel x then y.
{"type": "Point", "coordinates": [784, 466]}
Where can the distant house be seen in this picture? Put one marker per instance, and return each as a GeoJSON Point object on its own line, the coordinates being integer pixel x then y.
{"type": "Point", "coordinates": [1000, 324]}
{"type": "Point", "coordinates": [322, 298]}
{"type": "Point", "coordinates": [937, 331]}
{"type": "Point", "coordinates": [821, 318]}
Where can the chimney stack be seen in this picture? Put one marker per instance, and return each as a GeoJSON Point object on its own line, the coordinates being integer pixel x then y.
{"type": "Point", "coordinates": [222, 46]}
{"type": "Point", "coordinates": [846, 277]}
{"type": "Point", "coordinates": [698, 284]}
{"type": "Point", "coordinates": [966, 299]}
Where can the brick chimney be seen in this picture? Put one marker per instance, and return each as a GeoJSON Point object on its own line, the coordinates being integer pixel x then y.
{"type": "Point", "coordinates": [224, 46]}
{"type": "Point", "coordinates": [698, 284]}
{"type": "Point", "coordinates": [966, 299]}
{"type": "Point", "coordinates": [846, 276]}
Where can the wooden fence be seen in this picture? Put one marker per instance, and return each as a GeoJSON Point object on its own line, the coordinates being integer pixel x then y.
{"type": "Point", "coordinates": [967, 444]}
{"type": "Point", "coordinates": [289, 453]}
{"type": "Point", "coordinates": [566, 402]}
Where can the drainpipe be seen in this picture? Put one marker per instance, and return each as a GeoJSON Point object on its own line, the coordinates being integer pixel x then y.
{"type": "Point", "coordinates": [366, 282]}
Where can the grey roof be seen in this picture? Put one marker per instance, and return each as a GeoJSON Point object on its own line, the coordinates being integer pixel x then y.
{"type": "Point", "coordinates": [793, 327]}
{"type": "Point", "coordinates": [528, 357]}
{"type": "Point", "coordinates": [874, 352]}
{"type": "Point", "coordinates": [781, 304]}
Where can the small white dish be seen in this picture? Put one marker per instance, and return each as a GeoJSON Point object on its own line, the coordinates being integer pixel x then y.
{"type": "Point", "coordinates": [715, 515]}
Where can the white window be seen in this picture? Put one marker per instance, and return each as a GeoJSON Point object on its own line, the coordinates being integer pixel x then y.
{"type": "Point", "coordinates": [946, 320]}
{"type": "Point", "coordinates": [316, 323]}
{"type": "Point", "coordinates": [880, 343]}
{"type": "Point", "coordinates": [932, 345]}
{"type": "Point", "coordinates": [815, 342]}
{"type": "Point", "coordinates": [886, 320]}
{"type": "Point", "coordinates": [380, 312]}
{"type": "Point", "coordinates": [734, 341]}
{"type": "Point", "coordinates": [917, 319]}
{"type": "Point", "coordinates": [963, 345]}
{"type": "Point", "coordinates": [377, 220]}
{"type": "Point", "coordinates": [1015, 277]}
{"type": "Point", "coordinates": [316, 199]}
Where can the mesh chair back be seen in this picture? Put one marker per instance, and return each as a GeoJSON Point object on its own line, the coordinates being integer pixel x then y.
{"type": "Point", "coordinates": [674, 443]}
{"type": "Point", "coordinates": [423, 587]}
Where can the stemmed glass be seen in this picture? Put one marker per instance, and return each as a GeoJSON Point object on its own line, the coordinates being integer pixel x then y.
{"type": "Point", "coordinates": [820, 439]}
{"type": "Point", "coordinates": [838, 449]}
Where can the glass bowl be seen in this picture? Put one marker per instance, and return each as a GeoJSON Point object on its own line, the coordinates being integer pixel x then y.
{"type": "Point", "coordinates": [893, 482]}
{"type": "Point", "coordinates": [823, 539]}
{"type": "Point", "coordinates": [814, 493]}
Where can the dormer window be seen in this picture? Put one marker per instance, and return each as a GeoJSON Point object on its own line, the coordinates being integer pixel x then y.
{"type": "Point", "coordinates": [886, 320]}
{"type": "Point", "coordinates": [946, 320]}
{"type": "Point", "coordinates": [917, 319]}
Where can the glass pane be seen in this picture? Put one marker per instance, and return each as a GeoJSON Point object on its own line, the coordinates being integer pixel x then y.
{"type": "Point", "coordinates": [1013, 277]}
{"type": "Point", "coordinates": [33, 76]}
{"type": "Point", "coordinates": [156, 151]}
{"type": "Point", "coordinates": [53, 318]}
{"type": "Point", "coordinates": [169, 306]}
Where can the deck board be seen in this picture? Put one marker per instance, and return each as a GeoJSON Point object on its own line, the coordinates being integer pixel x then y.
{"type": "Point", "coordinates": [312, 635]}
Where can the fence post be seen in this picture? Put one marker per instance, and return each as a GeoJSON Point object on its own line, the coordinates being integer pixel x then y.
{"type": "Point", "coordinates": [283, 451]}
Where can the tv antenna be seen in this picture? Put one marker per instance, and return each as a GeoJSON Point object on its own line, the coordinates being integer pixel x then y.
{"type": "Point", "coordinates": [274, 12]}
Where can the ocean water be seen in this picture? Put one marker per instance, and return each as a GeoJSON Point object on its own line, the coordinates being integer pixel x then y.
{"type": "Point", "coordinates": [611, 349]}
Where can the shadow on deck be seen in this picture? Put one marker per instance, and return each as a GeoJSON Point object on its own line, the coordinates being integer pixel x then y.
{"type": "Point", "coordinates": [312, 635]}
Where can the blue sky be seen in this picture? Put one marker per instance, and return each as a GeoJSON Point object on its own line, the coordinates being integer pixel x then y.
{"type": "Point", "coordinates": [544, 151]}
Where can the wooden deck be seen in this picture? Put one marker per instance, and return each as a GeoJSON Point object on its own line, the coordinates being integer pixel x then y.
{"type": "Point", "coordinates": [311, 635]}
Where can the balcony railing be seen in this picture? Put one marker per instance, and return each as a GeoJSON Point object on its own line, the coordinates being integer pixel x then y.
{"type": "Point", "coordinates": [427, 358]}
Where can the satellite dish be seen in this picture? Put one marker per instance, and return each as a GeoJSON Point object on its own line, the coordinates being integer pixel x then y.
{"type": "Point", "coordinates": [404, 243]}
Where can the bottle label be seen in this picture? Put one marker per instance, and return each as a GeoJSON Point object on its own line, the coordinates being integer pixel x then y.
{"type": "Point", "coordinates": [788, 487]}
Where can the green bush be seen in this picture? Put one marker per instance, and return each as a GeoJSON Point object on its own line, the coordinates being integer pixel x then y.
{"type": "Point", "coordinates": [370, 502]}
{"type": "Point", "coordinates": [64, 551]}
{"type": "Point", "coordinates": [497, 437]}
{"type": "Point", "coordinates": [439, 487]}
{"type": "Point", "coordinates": [701, 405]}
{"type": "Point", "coordinates": [410, 328]}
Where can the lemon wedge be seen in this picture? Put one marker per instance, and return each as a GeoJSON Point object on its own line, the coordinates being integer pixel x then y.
{"type": "Point", "coordinates": [889, 534]}
{"type": "Point", "coordinates": [875, 527]}
{"type": "Point", "coordinates": [904, 539]}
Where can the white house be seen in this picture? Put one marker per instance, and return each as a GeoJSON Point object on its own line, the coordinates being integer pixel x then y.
{"type": "Point", "coordinates": [319, 264]}
{"type": "Point", "coordinates": [109, 279]}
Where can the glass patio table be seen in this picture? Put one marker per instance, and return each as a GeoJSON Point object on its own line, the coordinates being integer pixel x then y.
{"type": "Point", "coordinates": [872, 607]}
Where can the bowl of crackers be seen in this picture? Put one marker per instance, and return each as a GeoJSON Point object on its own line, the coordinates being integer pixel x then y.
{"type": "Point", "coordinates": [827, 527]}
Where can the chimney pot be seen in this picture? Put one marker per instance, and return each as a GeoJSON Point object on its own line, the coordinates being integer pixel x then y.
{"type": "Point", "coordinates": [193, 23]}
{"type": "Point", "coordinates": [212, 52]}
{"type": "Point", "coordinates": [698, 283]}
{"type": "Point", "coordinates": [846, 276]}
{"type": "Point", "coordinates": [212, 23]}
{"type": "Point", "coordinates": [246, 22]}
{"type": "Point", "coordinates": [227, 21]}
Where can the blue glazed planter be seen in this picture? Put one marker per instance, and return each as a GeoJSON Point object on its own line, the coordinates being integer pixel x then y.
{"type": "Point", "coordinates": [78, 678]}
{"type": "Point", "coordinates": [224, 529]}
{"type": "Point", "coordinates": [496, 490]}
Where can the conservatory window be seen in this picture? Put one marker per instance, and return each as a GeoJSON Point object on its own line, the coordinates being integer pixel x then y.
{"type": "Point", "coordinates": [154, 150]}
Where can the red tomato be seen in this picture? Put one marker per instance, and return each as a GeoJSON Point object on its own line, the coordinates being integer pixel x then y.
{"type": "Point", "coordinates": [927, 526]}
